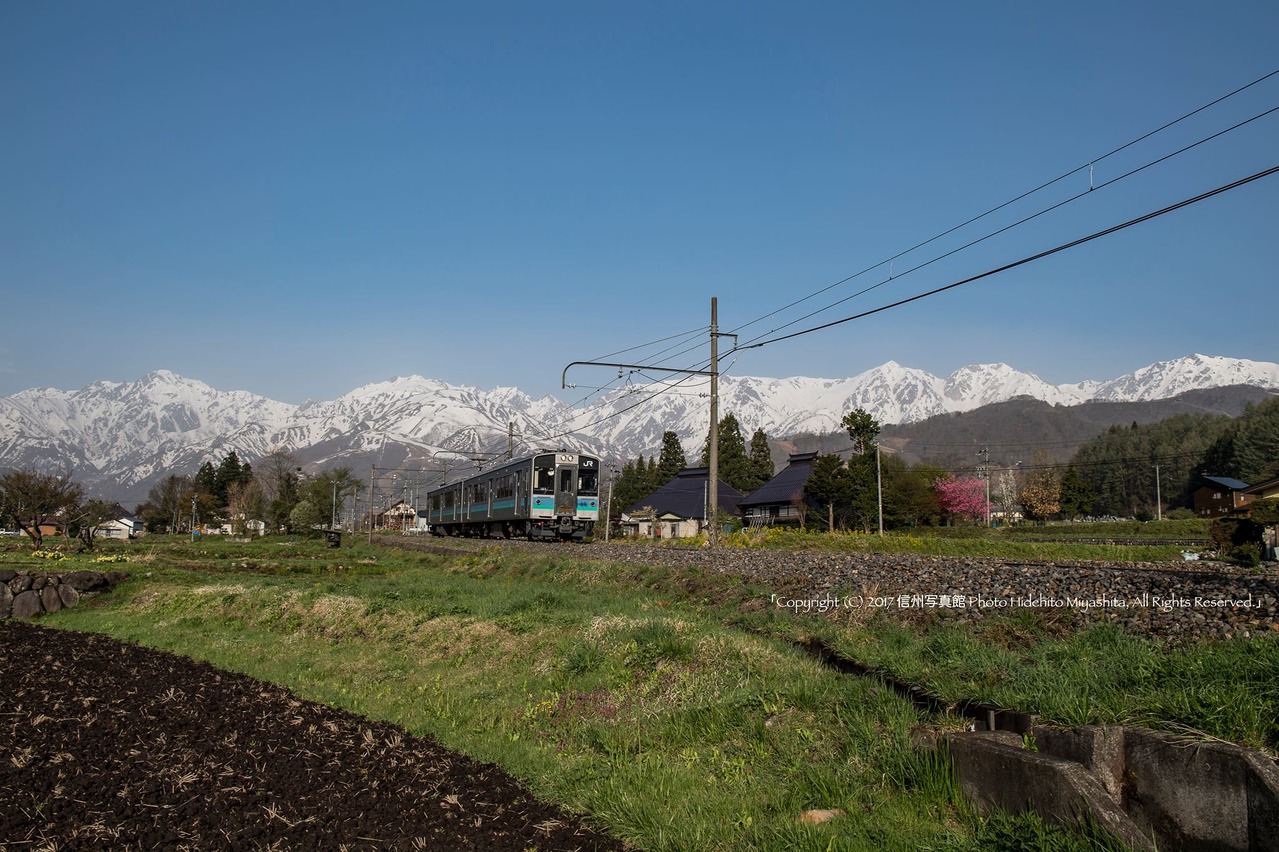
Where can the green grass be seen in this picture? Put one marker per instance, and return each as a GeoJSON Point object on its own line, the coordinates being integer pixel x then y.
{"type": "Point", "coordinates": [1228, 690]}
{"type": "Point", "coordinates": [1028, 660]}
{"type": "Point", "coordinates": [957, 542]}
{"type": "Point", "coordinates": [609, 689]}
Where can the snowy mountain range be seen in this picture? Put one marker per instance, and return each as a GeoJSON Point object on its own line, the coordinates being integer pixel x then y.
{"type": "Point", "coordinates": [118, 438]}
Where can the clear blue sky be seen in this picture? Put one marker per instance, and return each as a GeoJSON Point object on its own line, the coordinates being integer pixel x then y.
{"type": "Point", "coordinates": [299, 198]}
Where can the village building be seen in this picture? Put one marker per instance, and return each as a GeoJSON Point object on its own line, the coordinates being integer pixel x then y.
{"type": "Point", "coordinates": [781, 501]}
{"type": "Point", "coordinates": [678, 508]}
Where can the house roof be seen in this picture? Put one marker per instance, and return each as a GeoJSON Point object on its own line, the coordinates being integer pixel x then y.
{"type": "Point", "coordinates": [685, 496]}
{"type": "Point", "coordinates": [783, 487]}
{"type": "Point", "coordinates": [1263, 487]}
{"type": "Point", "coordinates": [1226, 482]}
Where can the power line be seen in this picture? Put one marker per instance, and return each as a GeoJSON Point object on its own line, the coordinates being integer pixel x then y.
{"type": "Point", "coordinates": [1088, 165]}
{"type": "Point", "coordinates": [1021, 221]}
{"type": "Point", "coordinates": [1025, 260]}
{"type": "Point", "coordinates": [757, 343]}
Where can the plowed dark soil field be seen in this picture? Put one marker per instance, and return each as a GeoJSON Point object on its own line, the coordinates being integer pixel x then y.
{"type": "Point", "coordinates": [105, 745]}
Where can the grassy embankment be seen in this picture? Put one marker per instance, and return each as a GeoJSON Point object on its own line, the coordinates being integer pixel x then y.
{"type": "Point", "coordinates": [1028, 542]}
{"type": "Point", "coordinates": [615, 690]}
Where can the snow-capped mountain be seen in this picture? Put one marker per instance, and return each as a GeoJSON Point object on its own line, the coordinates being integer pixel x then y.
{"type": "Point", "coordinates": [119, 437]}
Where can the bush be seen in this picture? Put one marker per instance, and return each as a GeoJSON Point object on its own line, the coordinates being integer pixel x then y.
{"type": "Point", "coordinates": [1229, 533]}
{"type": "Point", "coordinates": [1247, 555]}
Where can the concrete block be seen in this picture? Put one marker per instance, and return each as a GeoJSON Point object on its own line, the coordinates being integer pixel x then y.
{"type": "Point", "coordinates": [1192, 794]}
{"type": "Point", "coordinates": [995, 773]}
{"type": "Point", "coordinates": [1098, 749]}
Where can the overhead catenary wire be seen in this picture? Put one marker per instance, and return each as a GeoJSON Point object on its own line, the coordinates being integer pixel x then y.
{"type": "Point", "coordinates": [757, 343]}
{"type": "Point", "coordinates": [1087, 165]}
{"type": "Point", "coordinates": [1082, 194]}
{"type": "Point", "coordinates": [1025, 260]}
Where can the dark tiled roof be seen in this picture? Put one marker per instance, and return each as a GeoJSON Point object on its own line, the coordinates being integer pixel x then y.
{"type": "Point", "coordinates": [685, 496]}
{"type": "Point", "coordinates": [1226, 482]}
{"type": "Point", "coordinates": [783, 487]}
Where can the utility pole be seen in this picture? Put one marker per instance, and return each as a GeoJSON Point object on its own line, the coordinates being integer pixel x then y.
{"type": "Point", "coordinates": [372, 479]}
{"type": "Point", "coordinates": [1159, 500]}
{"type": "Point", "coordinates": [192, 517]}
{"type": "Point", "coordinates": [984, 452]}
{"type": "Point", "coordinates": [879, 488]}
{"type": "Point", "coordinates": [712, 473]}
{"type": "Point", "coordinates": [713, 438]}
{"type": "Point", "coordinates": [608, 506]}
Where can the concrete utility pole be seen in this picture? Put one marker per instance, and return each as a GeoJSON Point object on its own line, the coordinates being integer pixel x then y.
{"type": "Point", "coordinates": [984, 452]}
{"type": "Point", "coordinates": [1159, 500]}
{"type": "Point", "coordinates": [879, 488]}
{"type": "Point", "coordinates": [712, 473]}
{"type": "Point", "coordinates": [372, 479]}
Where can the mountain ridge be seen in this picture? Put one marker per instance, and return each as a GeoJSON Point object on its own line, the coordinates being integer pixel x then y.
{"type": "Point", "coordinates": [119, 437]}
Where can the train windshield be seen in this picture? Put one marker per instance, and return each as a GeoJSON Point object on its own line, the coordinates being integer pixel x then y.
{"type": "Point", "coordinates": [544, 475]}
{"type": "Point", "coordinates": [588, 483]}
{"type": "Point", "coordinates": [566, 480]}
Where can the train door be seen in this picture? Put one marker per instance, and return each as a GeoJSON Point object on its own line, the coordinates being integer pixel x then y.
{"type": "Point", "coordinates": [566, 488]}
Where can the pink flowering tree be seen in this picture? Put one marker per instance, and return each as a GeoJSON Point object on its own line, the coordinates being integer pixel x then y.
{"type": "Point", "coordinates": [962, 498]}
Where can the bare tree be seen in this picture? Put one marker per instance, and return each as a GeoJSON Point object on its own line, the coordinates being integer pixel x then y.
{"type": "Point", "coordinates": [1007, 493]}
{"type": "Point", "coordinates": [168, 499]}
{"type": "Point", "coordinates": [33, 499]}
{"type": "Point", "coordinates": [86, 517]}
{"type": "Point", "coordinates": [1041, 492]}
{"type": "Point", "coordinates": [799, 506]}
{"type": "Point", "coordinates": [244, 503]}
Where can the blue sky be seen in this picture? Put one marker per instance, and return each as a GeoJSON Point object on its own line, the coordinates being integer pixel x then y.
{"type": "Point", "coordinates": [296, 199]}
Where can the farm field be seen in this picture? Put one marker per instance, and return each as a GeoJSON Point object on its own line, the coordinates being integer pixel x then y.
{"type": "Point", "coordinates": [662, 703]}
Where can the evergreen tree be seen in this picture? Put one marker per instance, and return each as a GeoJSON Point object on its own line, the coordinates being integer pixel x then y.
{"type": "Point", "coordinates": [909, 497]}
{"type": "Point", "coordinates": [1119, 465]}
{"type": "Point", "coordinates": [672, 459]}
{"type": "Point", "coordinates": [229, 472]}
{"type": "Point", "coordinates": [652, 478]}
{"type": "Point", "coordinates": [632, 485]}
{"type": "Point", "coordinates": [761, 460]}
{"type": "Point", "coordinates": [863, 501]}
{"type": "Point", "coordinates": [862, 429]}
{"type": "Point", "coordinates": [734, 466]}
{"type": "Point", "coordinates": [1077, 497]}
{"type": "Point", "coordinates": [1256, 444]}
{"type": "Point", "coordinates": [206, 479]}
{"type": "Point", "coordinates": [830, 487]}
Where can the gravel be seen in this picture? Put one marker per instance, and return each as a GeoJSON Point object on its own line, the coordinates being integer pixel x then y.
{"type": "Point", "coordinates": [1169, 601]}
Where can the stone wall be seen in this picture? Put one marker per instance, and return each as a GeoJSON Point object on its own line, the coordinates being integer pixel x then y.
{"type": "Point", "coordinates": [24, 594]}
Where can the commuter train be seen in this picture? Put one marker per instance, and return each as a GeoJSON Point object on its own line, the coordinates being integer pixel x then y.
{"type": "Point", "coordinates": [549, 496]}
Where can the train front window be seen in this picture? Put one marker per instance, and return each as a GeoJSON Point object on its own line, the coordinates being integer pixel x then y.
{"type": "Point", "coordinates": [566, 480]}
{"type": "Point", "coordinates": [544, 476]}
{"type": "Point", "coordinates": [588, 483]}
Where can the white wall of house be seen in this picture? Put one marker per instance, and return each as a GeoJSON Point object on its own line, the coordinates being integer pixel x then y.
{"type": "Point", "coordinates": [666, 526]}
{"type": "Point", "coordinates": [115, 529]}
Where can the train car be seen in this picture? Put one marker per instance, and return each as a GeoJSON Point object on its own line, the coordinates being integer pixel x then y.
{"type": "Point", "coordinates": [549, 496]}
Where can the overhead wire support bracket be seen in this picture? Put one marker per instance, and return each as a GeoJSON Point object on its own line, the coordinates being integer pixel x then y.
{"type": "Point", "coordinates": [564, 374]}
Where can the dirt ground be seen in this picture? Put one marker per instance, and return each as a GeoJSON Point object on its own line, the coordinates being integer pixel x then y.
{"type": "Point", "coordinates": [107, 745]}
